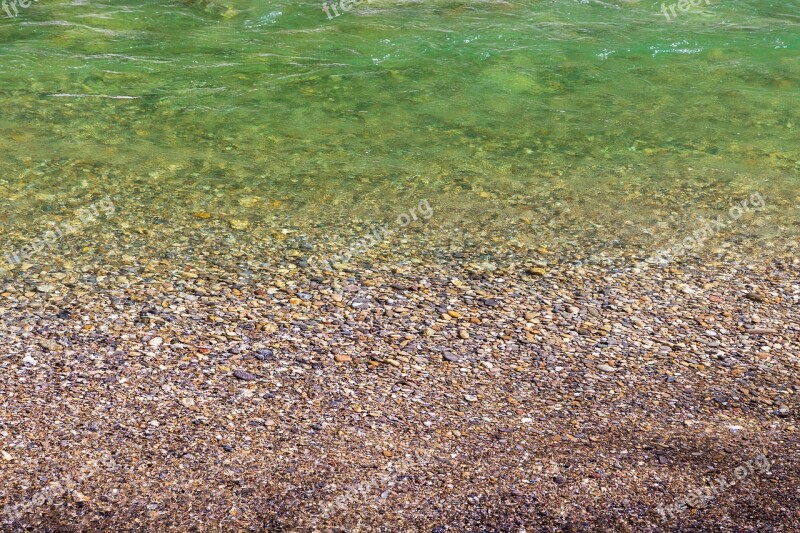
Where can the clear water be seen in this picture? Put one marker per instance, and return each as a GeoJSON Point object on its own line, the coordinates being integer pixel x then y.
{"type": "Point", "coordinates": [243, 126]}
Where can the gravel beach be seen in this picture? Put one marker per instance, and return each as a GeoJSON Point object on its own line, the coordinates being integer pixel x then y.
{"type": "Point", "coordinates": [441, 266]}
{"type": "Point", "coordinates": [409, 395]}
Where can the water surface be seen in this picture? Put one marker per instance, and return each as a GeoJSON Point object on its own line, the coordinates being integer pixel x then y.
{"type": "Point", "coordinates": [261, 126]}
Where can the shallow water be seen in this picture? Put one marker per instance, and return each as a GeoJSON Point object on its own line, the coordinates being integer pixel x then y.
{"type": "Point", "coordinates": [579, 126]}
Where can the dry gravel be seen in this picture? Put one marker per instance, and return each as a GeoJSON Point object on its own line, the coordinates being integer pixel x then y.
{"type": "Point", "coordinates": [449, 395]}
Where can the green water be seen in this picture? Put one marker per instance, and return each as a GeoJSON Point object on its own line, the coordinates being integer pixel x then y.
{"type": "Point", "coordinates": [249, 127]}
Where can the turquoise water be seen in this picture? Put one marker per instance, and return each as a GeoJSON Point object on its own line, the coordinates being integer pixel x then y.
{"type": "Point", "coordinates": [557, 123]}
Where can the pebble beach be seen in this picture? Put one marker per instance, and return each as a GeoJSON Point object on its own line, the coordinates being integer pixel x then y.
{"type": "Point", "coordinates": [458, 394]}
{"type": "Point", "coordinates": [442, 266]}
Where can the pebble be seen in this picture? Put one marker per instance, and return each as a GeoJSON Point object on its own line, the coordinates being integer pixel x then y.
{"type": "Point", "coordinates": [51, 345]}
{"type": "Point", "coordinates": [360, 303]}
{"type": "Point", "coordinates": [187, 402]}
{"type": "Point", "coordinates": [342, 358]}
{"type": "Point", "coordinates": [239, 224]}
{"type": "Point", "coordinates": [761, 331]}
{"type": "Point", "coordinates": [450, 356]}
{"type": "Point", "coordinates": [244, 375]}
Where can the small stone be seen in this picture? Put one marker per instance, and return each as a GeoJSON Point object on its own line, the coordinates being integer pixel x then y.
{"type": "Point", "coordinates": [359, 303]}
{"type": "Point", "coordinates": [761, 331]}
{"type": "Point", "coordinates": [265, 354]}
{"type": "Point", "coordinates": [454, 314]}
{"type": "Point", "coordinates": [537, 271]}
{"type": "Point", "coordinates": [529, 315]}
{"type": "Point", "coordinates": [244, 375]}
{"type": "Point", "coordinates": [239, 224]}
{"type": "Point", "coordinates": [50, 344]}
{"type": "Point", "coordinates": [464, 334]}
{"type": "Point", "coordinates": [449, 356]}
{"type": "Point", "coordinates": [755, 297]}
{"type": "Point", "coordinates": [187, 402]}
{"type": "Point", "coordinates": [155, 342]}
{"type": "Point", "coordinates": [342, 358]}
{"type": "Point", "coordinates": [46, 288]}
{"type": "Point", "coordinates": [295, 301]}
{"type": "Point", "coordinates": [249, 201]}
{"type": "Point", "coordinates": [29, 361]}
{"type": "Point", "coordinates": [685, 289]}
{"type": "Point", "coordinates": [607, 368]}
{"type": "Point", "coordinates": [470, 398]}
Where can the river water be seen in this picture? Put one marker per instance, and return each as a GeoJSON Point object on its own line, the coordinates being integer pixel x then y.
{"type": "Point", "coordinates": [268, 131]}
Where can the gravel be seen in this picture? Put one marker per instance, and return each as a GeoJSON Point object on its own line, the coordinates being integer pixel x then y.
{"type": "Point", "coordinates": [418, 394]}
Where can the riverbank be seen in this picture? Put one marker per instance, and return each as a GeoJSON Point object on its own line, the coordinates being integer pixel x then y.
{"type": "Point", "coordinates": [420, 395]}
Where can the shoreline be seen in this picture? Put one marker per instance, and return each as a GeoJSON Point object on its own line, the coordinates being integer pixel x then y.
{"type": "Point", "coordinates": [477, 398]}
